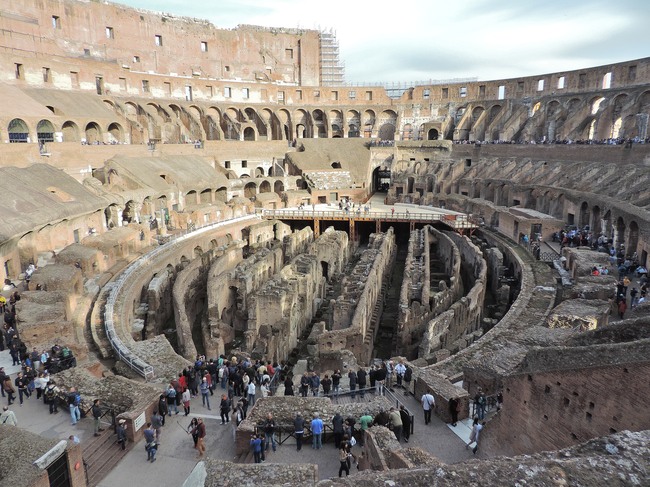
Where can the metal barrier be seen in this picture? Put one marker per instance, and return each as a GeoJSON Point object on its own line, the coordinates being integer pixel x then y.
{"type": "Point", "coordinates": [122, 352]}
{"type": "Point", "coordinates": [373, 215]}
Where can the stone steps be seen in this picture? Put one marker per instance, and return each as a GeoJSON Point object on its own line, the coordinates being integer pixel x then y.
{"type": "Point", "coordinates": [101, 455]}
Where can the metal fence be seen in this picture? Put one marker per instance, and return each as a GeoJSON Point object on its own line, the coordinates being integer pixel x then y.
{"type": "Point", "coordinates": [122, 352]}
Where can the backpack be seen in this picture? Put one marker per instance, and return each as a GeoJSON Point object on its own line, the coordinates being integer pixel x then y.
{"type": "Point", "coordinates": [77, 399]}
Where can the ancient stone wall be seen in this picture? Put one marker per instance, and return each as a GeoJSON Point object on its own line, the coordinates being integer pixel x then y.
{"type": "Point", "coordinates": [436, 295]}
{"type": "Point", "coordinates": [296, 243]}
{"type": "Point", "coordinates": [566, 395]}
{"type": "Point", "coordinates": [352, 320]}
{"type": "Point", "coordinates": [457, 327]}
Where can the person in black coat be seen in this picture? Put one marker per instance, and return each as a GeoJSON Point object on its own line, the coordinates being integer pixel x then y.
{"type": "Point", "coordinates": [162, 407]}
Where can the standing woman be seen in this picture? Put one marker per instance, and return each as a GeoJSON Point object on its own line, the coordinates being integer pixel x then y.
{"type": "Point", "coordinates": [186, 397]}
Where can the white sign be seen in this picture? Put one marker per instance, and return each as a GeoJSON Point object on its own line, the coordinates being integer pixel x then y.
{"type": "Point", "coordinates": [139, 422]}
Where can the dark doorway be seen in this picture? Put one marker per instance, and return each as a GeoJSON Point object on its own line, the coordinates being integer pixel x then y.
{"type": "Point", "coordinates": [58, 472]}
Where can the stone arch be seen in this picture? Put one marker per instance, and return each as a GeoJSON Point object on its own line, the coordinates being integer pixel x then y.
{"type": "Point", "coordinates": [584, 214]}
{"type": "Point", "coordinates": [353, 121]}
{"type": "Point", "coordinates": [620, 231]}
{"type": "Point", "coordinates": [115, 132]}
{"type": "Point", "coordinates": [433, 134]}
{"type": "Point", "coordinates": [387, 132]}
{"type": "Point", "coordinates": [70, 132]}
{"type": "Point", "coordinates": [284, 124]}
{"type": "Point", "coordinates": [319, 123]}
{"type": "Point", "coordinates": [18, 131]}
{"type": "Point", "coordinates": [250, 134]}
{"type": "Point", "coordinates": [45, 131]}
{"type": "Point", "coordinates": [206, 196]}
{"type": "Point", "coordinates": [369, 120]}
{"type": "Point", "coordinates": [265, 187]}
{"type": "Point", "coordinates": [250, 190]}
{"type": "Point", "coordinates": [93, 133]}
{"type": "Point", "coordinates": [632, 238]}
{"type": "Point", "coordinates": [596, 222]}
{"type": "Point", "coordinates": [608, 229]}
{"type": "Point", "coordinates": [221, 194]}
{"type": "Point", "coordinates": [129, 214]}
{"type": "Point", "coordinates": [278, 187]}
{"type": "Point", "coordinates": [191, 198]}
{"type": "Point", "coordinates": [303, 124]}
{"type": "Point", "coordinates": [111, 213]}
{"type": "Point", "coordinates": [198, 252]}
{"type": "Point", "coordinates": [259, 172]}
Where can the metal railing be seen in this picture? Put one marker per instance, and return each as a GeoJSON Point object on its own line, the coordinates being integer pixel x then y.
{"type": "Point", "coordinates": [490, 403]}
{"type": "Point", "coordinates": [373, 215]}
{"type": "Point", "coordinates": [123, 352]}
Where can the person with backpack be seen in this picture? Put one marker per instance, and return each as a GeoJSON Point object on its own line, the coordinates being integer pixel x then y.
{"type": "Point", "coordinates": [74, 401]}
{"type": "Point", "coordinates": [205, 393]}
{"type": "Point", "coordinates": [170, 394]}
{"type": "Point", "coordinates": [428, 404]}
{"type": "Point", "coordinates": [52, 397]}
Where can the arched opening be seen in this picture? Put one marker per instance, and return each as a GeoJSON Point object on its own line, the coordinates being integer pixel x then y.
{"type": "Point", "coordinates": [259, 172]}
{"type": "Point", "coordinates": [584, 214]}
{"type": "Point", "coordinates": [608, 230]}
{"type": "Point", "coordinates": [278, 187]}
{"type": "Point", "coordinates": [18, 131]}
{"type": "Point", "coordinates": [191, 198]}
{"type": "Point", "coordinates": [432, 134]}
{"type": "Point", "coordinates": [381, 179]}
{"type": "Point", "coordinates": [129, 214]}
{"type": "Point", "coordinates": [115, 133]}
{"type": "Point", "coordinates": [410, 182]}
{"type": "Point", "coordinates": [250, 190]}
{"type": "Point", "coordinates": [387, 132]}
{"type": "Point", "coordinates": [206, 196]}
{"type": "Point", "coordinates": [325, 268]}
{"type": "Point", "coordinates": [93, 133]}
{"type": "Point", "coordinates": [249, 134]}
{"type": "Point", "coordinates": [221, 194]}
{"type": "Point", "coordinates": [596, 223]}
{"type": "Point", "coordinates": [620, 231]}
{"type": "Point", "coordinates": [265, 187]}
{"type": "Point", "coordinates": [70, 132]}
{"type": "Point", "coordinates": [198, 252]}
{"type": "Point", "coordinates": [45, 131]}
{"type": "Point", "coordinates": [112, 216]}
{"type": "Point", "coordinates": [632, 238]}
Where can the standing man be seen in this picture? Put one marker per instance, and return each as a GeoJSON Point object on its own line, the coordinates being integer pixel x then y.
{"type": "Point", "coordinates": [269, 432]}
{"type": "Point", "coordinates": [353, 381]}
{"type": "Point", "coordinates": [362, 381]}
{"type": "Point", "coordinates": [121, 433]}
{"type": "Point", "coordinates": [400, 370]}
{"type": "Point", "coordinates": [97, 414]}
{"type": "Point", "coordinates": [336, 383]}
{"type": "Point", "coordinates": [51, 395]}
{"type": "Point", "coordinates": [8, 387]}
{"type": "Point", "coordinates": [428, 403]}
{"type": "Point", "coordinates": [21, 384]}
{"type": "Point", "coordinates": [337, 426]}
{"type": "Point", "coordinates": [251, 393]}
{"type": "Point", "coordinates": [364, 421]}
{"type": "Point", "coordinates": [396, 422]}
{"type": "Point", "coordinates": [406, 422]}
{"type": "Point", "coordinates": [298, 430]}
{"type": "Point", "coordinates": [317, 432]}
{"type": "Point", "coordinates": [74, 400]}
{"type": "Point", "coordinates": [454, 405]}
{"type": "Point", "coordinates": [156, 424]}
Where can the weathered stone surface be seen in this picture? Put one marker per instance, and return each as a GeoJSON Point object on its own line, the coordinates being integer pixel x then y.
{"type": "Point", "coordinates": [579, 314]}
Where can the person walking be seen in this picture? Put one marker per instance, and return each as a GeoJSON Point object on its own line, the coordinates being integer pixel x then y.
{"type": "Point", "coordinates": [474, 435]}
{"type": "Point", "coordinates": [337, 427]}
{"type": "Point", "coordinates": [150, 446]}
{"type": "Point", "coordinates": [186, 400]}
{"type": "Point", "coordinates": [317, 432]}
{"type": "Point", "coordinates": [121, 433]}
{"type": "Point", "coordinates": [298, 430]}
{"type": "Point", "coordinates": [74, 401]}
{"type": "Point", "coordinates": [205, 393]}
{"type": "Point", "coordinates": [428, 403]}
{"type": "Point", "coordinates": [454, 407]}
{"type": "Point", "coordinates": [199, 429]}
{"type": "Point", "coordinates": [224, 408]}
{"type": "Point", "coordinates": [9, 389]}
{"type": "Point", "coordinates": [51, 395]}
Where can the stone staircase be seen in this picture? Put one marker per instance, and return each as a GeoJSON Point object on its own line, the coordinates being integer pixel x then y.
{"type": "Point", "coordinates": [101, 455]}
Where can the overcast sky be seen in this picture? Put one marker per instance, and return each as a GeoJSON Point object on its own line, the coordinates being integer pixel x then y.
{"type": "Point", "coordinates": [418, 40]}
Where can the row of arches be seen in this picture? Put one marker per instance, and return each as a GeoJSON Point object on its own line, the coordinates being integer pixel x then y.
{"type": "Point", "coordinates": [175, 122]}
{"type": "Point", "coordinates": [45, 130]}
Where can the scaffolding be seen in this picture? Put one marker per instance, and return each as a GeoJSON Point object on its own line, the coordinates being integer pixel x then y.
{"type": "Point", "coordinates": [332, 69]}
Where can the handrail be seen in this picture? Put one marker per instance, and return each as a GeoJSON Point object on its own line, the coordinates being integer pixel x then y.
{"type": "Point", "coordinates": [121, 350]}
{"type": "Point", "coordinates": [353, 215]}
